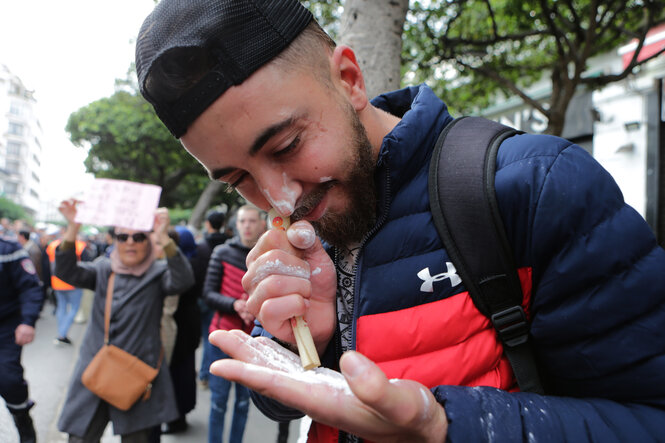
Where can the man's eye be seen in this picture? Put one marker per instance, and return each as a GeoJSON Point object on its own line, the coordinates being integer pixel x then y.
{"type": "Point", "coordinates": [230, 187]}
{"type": "Point", "coordinates": [294, 143]}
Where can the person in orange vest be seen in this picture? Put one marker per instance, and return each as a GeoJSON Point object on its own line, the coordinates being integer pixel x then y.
{"type": "Point", "coordinates": [68, 298]}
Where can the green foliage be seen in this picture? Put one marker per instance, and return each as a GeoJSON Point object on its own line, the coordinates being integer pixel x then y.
{"type": "Point", "coordinates": [179, 216]}
{"type": "Point", "coordinates": [127, 141]}
{"type": "Point", "coordinates": [13, 211]}
{"type": "Point", "coordinates": [327, 14]}
{"type": "Point", "coordinates": [471, 51]}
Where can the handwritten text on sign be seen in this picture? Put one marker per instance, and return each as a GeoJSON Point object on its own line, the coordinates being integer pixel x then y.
{"type": "Point", "coordinates": [119, 203]}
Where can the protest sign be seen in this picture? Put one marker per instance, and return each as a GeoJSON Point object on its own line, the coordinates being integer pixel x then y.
{"type": "Point", "coordinates": [119, 203]}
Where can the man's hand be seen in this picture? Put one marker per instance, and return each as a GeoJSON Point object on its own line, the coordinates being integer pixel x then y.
{"type": "Point", "coordinates": [240, 307]}
{"type": "Point", "coordinates": [24, 334]}
{"type": "Point", "coordinates": [290, 274]}
{"type": "Point", "coordinates": [360, 400]}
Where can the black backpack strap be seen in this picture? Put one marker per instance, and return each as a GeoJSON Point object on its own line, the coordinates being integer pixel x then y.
{"type": "Point", "coordinates": [466, 214]}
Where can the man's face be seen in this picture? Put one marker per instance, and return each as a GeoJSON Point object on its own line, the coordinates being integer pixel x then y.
{"type": "Point", "coordinates": [250, 226]}
{"type": "Point", "coordinates": [286, 140]}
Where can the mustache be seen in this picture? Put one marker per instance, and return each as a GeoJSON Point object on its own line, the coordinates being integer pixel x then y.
{"type": "Point", "coordinates": [309, 202]}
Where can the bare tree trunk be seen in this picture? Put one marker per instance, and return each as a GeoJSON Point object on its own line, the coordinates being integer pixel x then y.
{"type": "Point", "coordinates": [204, 202]}
{"type": "Point", "coordinates": [373, 29]}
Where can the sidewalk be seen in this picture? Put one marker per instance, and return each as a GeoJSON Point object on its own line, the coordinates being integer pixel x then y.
{"type": "Point", "coordinates": [48, 369]}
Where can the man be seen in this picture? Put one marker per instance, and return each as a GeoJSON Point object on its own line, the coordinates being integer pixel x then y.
{"type": "Point", "coordinates": [223, 292]}
{"type": "Point", "coordinates": [34, 251]}
{"type": "Point", "coordinates": [266, 102]}
{"type": "Point", "coordinates": [20, 302]}
{"type": "Point", "coordinates": [68, 298]}
{"type": "Point", "coordinates": [212, 237]}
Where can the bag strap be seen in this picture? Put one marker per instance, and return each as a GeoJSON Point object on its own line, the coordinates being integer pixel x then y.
{"type": "Point", "coordinates": [107, 308]}
{"type": "Point", "coordinates": [107, 317]}
{"type": "Point", "coordinates": [466, 214]}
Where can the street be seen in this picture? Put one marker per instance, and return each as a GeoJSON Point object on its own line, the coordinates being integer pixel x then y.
{"type": "Point", "coordinates": [48, 369]}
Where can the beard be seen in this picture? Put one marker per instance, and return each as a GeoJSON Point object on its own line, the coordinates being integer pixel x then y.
{"type": "Point", "coordinates": [351, 226]}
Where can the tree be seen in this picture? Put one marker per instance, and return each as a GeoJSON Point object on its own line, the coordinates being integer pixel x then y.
{"type": "Point", "coordinates": [127, 141]}
{"type": "Point", "coordinates": [12, 211]}
{"type": "Point", "coordinates": [505, 46]}
{"type": "Point", "coordinates": [374, 30]}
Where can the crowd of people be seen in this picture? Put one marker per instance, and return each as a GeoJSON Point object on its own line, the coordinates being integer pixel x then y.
{"type": "Point", "coordinates": [171, 287]}
{"type": "Point", "coordinates": [271, 105]}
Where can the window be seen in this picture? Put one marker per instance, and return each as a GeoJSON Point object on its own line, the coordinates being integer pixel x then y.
{"type": "Point", "coordinates": [15, 128]}
{"type": "Point", "coordinates": [15, 109]}
{"type": "Point", "coordinates": [36, 177]}
{"type": "Point", "coordinates": [15, 88]}
{"type": "Point", "coordinates": [11, 188]}
{"type": "Point", "coordinates": [13, 148]}
{"type": "Point", "coordinates": [36, 159]}
{"type": "Point", "coordinates": [34, 193]}
{"type": "Point", "coordinates": [12, 166]}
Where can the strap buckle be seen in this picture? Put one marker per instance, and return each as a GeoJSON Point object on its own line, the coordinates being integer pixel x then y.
{"type": "Point", "coordinates": [511, 326]}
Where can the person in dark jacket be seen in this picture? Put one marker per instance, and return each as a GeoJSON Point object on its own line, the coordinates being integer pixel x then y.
{"type": "Point", "coordinates": [21, 298]}
{"type": "Point", "coordinates": [212, 237]}
{"type": "Point", "coordinates": [274, 108]}
{"type": "Point", "coordinates": [187, 319]}
{"type": "Point", "coordinates": [223, 292]}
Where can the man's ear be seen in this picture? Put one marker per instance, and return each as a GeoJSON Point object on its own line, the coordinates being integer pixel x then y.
{"type": "Point", "coordinates": [346, 69]}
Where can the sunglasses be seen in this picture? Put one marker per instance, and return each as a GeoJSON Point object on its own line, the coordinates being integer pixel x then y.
{"type": "Point", "coordinates": [138, 237]}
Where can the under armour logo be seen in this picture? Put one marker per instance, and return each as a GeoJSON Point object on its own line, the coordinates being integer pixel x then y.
{"type": "Point", "coordinates": [428, 285]}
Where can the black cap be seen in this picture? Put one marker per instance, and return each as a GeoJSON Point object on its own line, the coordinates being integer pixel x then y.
{"type": "Point", "coordinates": [240, 36]}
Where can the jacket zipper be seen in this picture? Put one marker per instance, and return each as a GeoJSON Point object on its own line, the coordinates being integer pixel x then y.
{"type": "Point", "coordinates": [356, 268]}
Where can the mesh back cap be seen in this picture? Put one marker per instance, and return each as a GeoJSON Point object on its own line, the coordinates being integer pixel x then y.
{"type": "Point", "coordinates": [241, 35]}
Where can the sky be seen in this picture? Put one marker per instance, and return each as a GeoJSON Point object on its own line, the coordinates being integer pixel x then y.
{"type": "Point", "coordinates": [69, 52]}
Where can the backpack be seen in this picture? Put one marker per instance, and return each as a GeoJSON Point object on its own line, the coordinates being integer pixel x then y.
{"type": "Point", "coordinates": [466, 215]}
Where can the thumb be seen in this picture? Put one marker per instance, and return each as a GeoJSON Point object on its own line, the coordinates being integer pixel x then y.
{"type": "Point", "coordinates": [403, 403]}
{"type": "Point", "coordinates": [365, 378]}
{"type": "Point", "coordinates": [301, 235]}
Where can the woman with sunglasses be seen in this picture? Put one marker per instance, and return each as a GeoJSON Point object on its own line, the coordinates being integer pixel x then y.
{"type": "Point", "coordinates": [139, 287]}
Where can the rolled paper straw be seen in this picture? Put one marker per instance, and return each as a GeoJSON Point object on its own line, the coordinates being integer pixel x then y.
{"type": "Point", "coordinates": [308, 355]}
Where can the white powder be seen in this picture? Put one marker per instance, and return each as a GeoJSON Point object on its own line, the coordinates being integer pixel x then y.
{"type": "Point", "coordinates": [302, 236]}
{"type": "Point", "coordinates": [286, 205]}
{"type": "Point", "coordinates": [272, 357]}
{"type": "Point", "coordinates": [277, 267]}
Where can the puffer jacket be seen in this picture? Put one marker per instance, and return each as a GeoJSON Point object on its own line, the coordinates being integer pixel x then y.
{"type": "Point", "coordinates": [223, 284]}
{"type": "Point", "coordinates": [592, 274]}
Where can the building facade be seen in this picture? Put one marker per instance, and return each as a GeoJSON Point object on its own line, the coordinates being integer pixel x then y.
{"type": "Point", "coordinates": [621, 125]}
{"type": "Point", "coordinates": [20, 143]}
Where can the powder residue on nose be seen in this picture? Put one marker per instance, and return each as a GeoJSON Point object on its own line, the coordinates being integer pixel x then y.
{"type": "Point", "coordinates": [285, 206]}
{"type": "Point", "coordinates": [278, 268]}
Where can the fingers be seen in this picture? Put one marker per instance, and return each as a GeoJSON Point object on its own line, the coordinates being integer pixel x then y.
{"type": "Point", "coordinates": [301, 235]}
{"type": "Point", "coordinates": [266, 367]}
{"type": "Point", "coordinates": [404, 403]}
{"type": "Point", "coordinates": [259, 350]}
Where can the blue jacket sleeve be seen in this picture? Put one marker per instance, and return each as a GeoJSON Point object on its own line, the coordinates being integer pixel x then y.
{"type": "Point", "coordinates": [597, 306]}
{"type": "Point", "coordinates": [26, 284]}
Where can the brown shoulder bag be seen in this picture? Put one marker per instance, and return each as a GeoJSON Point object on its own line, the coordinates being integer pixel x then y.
{"type": "Point", "coordinates": [114, 375]}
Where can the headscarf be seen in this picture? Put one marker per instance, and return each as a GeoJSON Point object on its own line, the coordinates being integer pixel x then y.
{"type": "Point", "coordinates": [186, 241]}
{"type": "Point", "coordinates": [138, 269]}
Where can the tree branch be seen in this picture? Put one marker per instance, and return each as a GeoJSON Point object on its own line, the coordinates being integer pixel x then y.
{"type": "Point", "coordinates": [508, 84]}
{"type": "Point", "coordinates": [554, 30]}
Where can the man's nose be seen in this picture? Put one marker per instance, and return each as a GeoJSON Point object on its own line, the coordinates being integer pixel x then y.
{"type": "Point", "coordinates": [281, 191]}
